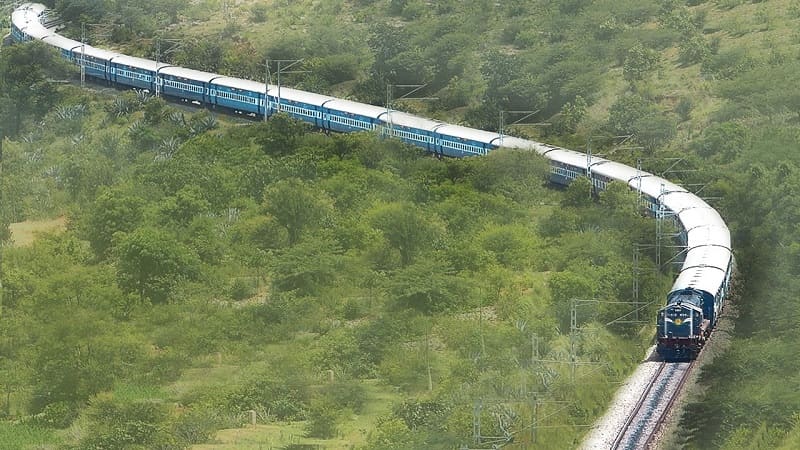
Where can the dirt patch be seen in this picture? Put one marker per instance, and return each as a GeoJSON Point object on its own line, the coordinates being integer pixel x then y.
{"type": "Point", "coordinates": [24, 233]}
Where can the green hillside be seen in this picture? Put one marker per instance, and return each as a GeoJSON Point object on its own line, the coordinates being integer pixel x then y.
{"type": "Point", "coordinates": [256, 298]}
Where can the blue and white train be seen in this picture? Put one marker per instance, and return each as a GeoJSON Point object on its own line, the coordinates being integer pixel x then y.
{"type": "Point", "coordinates": [698, 294]}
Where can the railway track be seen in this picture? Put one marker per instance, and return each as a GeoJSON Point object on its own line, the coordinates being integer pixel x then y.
{"type": "Point", "coordinates": [650, 412]}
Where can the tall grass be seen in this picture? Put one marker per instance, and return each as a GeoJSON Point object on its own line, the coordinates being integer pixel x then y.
{"type": "Point", "coordinates": [25, 436]}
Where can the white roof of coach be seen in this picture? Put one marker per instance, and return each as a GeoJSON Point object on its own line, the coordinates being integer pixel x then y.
{"type": "Point", "coordinates": [707, 256]}
{"type": "Point", "coordinates": [299, 96]}
{"type": "Point", "coordinates": [356, 108]}
{"type": "Point", "coordinates": [681, 201]}
{"type": "Point", "coordinates": [524, 144]}
{"type": "Point", "coordinates": [619, 171]}
{"type": "Point", "coordinates": [708, 279]}
{"type": "Point", "coordinates": [473, 134]}
{"type": "Point", "coordinates": [656, 186]}
{"type": "Point", "coordinates": [26, 18]}
{"type": "Point", "coordinates": [572, 158]}
{"type": "Point", "coordinates": [62, 42]}
{"type": "Point", "coordinates": [241, 84]}
{"type": "Point", "coordinates": [189, 74]}
{"type": "Point", "coordinates": [139, 63]}
{"type": "Point", "coordinates": [708, 235]}
{"type": "Point", "coordinates": [700, 217]}
{"type": "Point", "coordinates": [96, 52]}
{"type": "Point", "coordinates": [407, 120]}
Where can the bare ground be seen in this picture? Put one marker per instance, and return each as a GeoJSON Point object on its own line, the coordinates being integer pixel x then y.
{"type": "Point", "coordinates": [25, 233]}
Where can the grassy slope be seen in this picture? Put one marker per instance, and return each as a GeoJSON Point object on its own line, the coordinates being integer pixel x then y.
{"type": "Point", "coordinates": [758, 28]}
{"type": "Point", "coordinates": [24, 233]}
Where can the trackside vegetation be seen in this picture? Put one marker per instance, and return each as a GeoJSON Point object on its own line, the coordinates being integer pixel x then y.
{"type": "Point", "coordinates": [343, 290]}
{"type": "Point", "coordinates": [356, 293]}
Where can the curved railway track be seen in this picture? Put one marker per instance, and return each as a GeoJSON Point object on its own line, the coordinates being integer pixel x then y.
{"type": "Point", "coordinates": [650, 413]}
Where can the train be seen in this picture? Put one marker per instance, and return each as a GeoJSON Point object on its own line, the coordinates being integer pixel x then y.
{"type": "Point", "coordinates": [697, 297]}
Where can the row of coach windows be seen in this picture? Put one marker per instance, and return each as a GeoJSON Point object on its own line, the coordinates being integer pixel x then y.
{"type": "Point", "coordinates": [564, 172]}
{"type": "Point", "coordinates": [412, 136]}
{"type": "Point", "coordinates": [350, 122]}
{"type": "Point", "coordinates": [94, 65]}
{"type": "Point", "coordinates": [463, 147]}
{"type": "Point", "coordinates": [133, 75]}
{"type": "Point", "coordinates": [183, 86]}
{"type": "Point", "coordinates": [300, 111]}
{"type": "Point", "coordinates": [237, 97]}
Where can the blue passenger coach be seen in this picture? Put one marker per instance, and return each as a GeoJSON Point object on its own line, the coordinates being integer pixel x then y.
{"type": "Point", "coordinates": [302, 105]}
{"type": "Point", "coordinates": [238, 95]}
{"type": "Point", "coordinates": [347, 116]}
{"type": "Point", "coordinates": [460, 141]}
{"type": "Point", "coordinates": [408, 128]}
{"type": "Point", "coordinates": [187, 84]}
{"type": "Point", "coordinates": [97, 62]}
{"type": "Point", "coordinates": [135, 72]}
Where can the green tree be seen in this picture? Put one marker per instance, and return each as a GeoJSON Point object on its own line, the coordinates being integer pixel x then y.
{"type": "Point", "coordinates": [280, 135]}
{"type": "Point", "coordinates": [724, 139]}
{"type": "Point", "coordinates": [566, 287]}
{"type": "Point", "coordinates": [694, 49]}
{"type": "Point", "coordinates": [323, 418]}
{"type": "Point", "coordinates": [640, 62]}
{"type": "Point", "coordinates": [430, 286]}
{"type": "Point", "coordinates": [624, 113]}
{"type": "Point", "coordinates": [138, 424]}
{"type": "Point", "coordinates": [113, 211]}
{"type": "Point", "coordinates": [77, 358]}
{"type": "Point", "coordinates": [406, 228]}
{"type": "Point", "coordinates": [187, 204]}
{"type": "Point", "coordinates": [24, 87]}
{"type": "Point", "coordinates": [579, 193]}
{"type": "Point", "coordinates": [150, 263]}
{"type": "Point", "coordinates": [297, 206]}
{"type": "Point", "coordinates": [307, 267]}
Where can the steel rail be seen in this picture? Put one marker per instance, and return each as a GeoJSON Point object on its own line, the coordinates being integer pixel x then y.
{"type": "Point", "coordinates": [635, 413]}
{"type": "Point", "coordinates": [663, 416]}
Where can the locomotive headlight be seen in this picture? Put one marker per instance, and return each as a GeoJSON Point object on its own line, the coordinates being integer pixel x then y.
{"type": "Point", "coordinates": [678, 321]}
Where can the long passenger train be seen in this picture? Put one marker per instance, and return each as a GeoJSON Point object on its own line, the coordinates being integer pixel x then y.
{"type": "Point", "coordinates": [698, 294]}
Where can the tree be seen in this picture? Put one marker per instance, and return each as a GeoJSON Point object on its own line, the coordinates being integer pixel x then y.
{"type": "Point", "coordinates": [151, 262]}
{"type": "Point", "coordinates": [694, 49]}
{"type": "Point", "coordinates": [640, 62]}
{"type": "Point", "coordinates": [280, 135]}
{"type": "Point", "coordinates": [296, 206]}
{"type": "Point", "coordinates": [405, 228]}
{"type": "Point", "coordinates": [322, 419]}
{"type": "Point", "coordinates": [24, 86]}
{"type": "Point", "coordinates": [572, 113]}
{"type": "Point", "coordinates": [430, 286]}
{"type": "Point", "coordinates": [137, 424]}
{"type": "Point", "coordinates": [579, 193]}
{"type": "Point", "coordinates": [113, 211]}
{"type": "Point", "coordinates": [514, 173]}
{"type": "Point", "coordinates": [619, 199]}
{"type": "Point", "coordinates": [258, 13]}
{"type": "Point", "coordinates": [624, 113]}
{"type": "Point", "coordinates": [566, 287]}
{"type": "Point", "coordinates": [187, 204]}
{"type": "Point", "coordinates": [308, 266]}
{"type": "Point", "coordinates": [654, 130]}
{"type": "Point", "coordinates": [724, 139]}
{"type": "Point", "coordinates": [77, 355]}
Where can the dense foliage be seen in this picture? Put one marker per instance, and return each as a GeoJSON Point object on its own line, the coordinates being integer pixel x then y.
{"type": "Point", "coordinates": [270, 241]}
{"type": "Point", "coordinates": [211, 267]}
